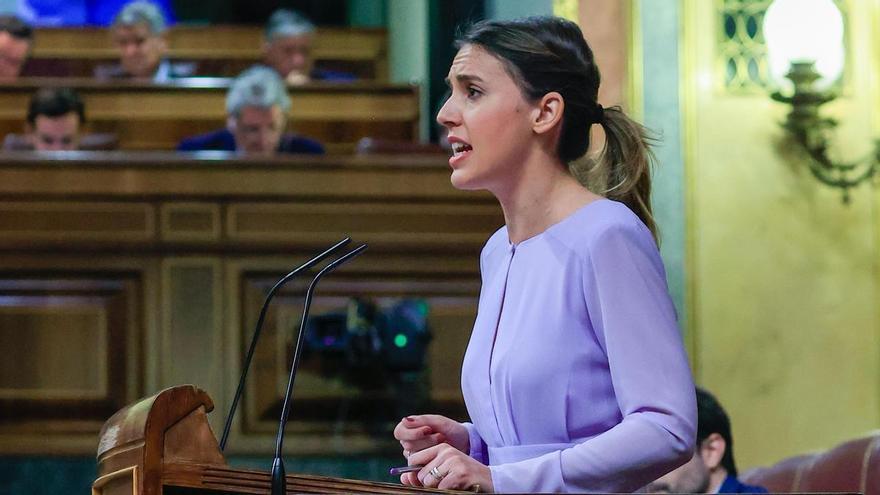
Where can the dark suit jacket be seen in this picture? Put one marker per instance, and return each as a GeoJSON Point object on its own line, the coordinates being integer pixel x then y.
{"type": "Point", "coordinates": [166, 72]}
{"type": "Point", "coordinates": [733, 485]}
{"type": "Point", "coordinates": [223, 140]}
{"type": "Point", "coordinates": [332, 76]}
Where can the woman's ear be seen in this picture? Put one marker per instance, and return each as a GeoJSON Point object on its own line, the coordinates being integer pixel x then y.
{"type": "Point", "coordinates": [549, 112]}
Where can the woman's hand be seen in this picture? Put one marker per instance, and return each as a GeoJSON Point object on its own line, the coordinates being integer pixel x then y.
{"type": "Point", "coordinates": [417, 433]}
{"type": "Point", "coordinates": [448, 468]}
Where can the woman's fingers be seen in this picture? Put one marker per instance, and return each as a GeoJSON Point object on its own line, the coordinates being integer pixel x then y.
{"type": "Point", "coordinates": [410, 479]}
{"type": "Point", "coordinates": [452, 479]}
{"type": "Point", "coordinates": [436, 422]}
{"type": "Point", "coordinates": [454, 433]}
{"type": "Point", "coordinates": [432, 459]}
{"type": "Point", "coordinates": [411, 432]}
{"type": "Point", "coordinates": [422, 443]}
{"type": "Point", "coordinates": [432, 474]}
{"type": "Point", "coordinates": [448, 468]}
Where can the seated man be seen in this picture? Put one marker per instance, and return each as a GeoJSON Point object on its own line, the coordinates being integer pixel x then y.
{"type": "Point", "coordinates": [257, 106]}
{"type": "Point", "coordinates": [287, 48]}
{"type": "Point", "coordinates": [712, 468]}
{"type": "Point", "coordinates": [138, 32]}
{"type": "Point", "coordinates": [54, 120]}
{"type": "Point", "coordinates": [16, 39]}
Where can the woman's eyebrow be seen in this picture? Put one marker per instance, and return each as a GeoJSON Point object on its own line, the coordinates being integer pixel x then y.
{"type": "Point", "coordinates": [464, 78]}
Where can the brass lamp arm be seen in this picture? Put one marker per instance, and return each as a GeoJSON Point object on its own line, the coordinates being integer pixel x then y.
{"type": "Point", "coordinates": [837, 174]}
{"type": "Point", "coordinates": [809, 130]}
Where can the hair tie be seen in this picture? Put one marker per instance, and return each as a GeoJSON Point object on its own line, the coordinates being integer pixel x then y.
{"type": "Point", "coordinates": [599, 114]}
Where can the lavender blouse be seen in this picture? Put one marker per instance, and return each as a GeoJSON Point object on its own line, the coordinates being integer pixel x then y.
{"type": "Point", "coordinates": [575, 377]}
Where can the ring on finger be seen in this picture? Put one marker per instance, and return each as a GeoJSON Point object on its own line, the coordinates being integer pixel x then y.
{"type": "Point", "coordinates": [435, 472]}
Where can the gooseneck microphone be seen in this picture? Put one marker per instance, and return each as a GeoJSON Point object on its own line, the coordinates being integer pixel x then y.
{"type": "Point", "coordinates": [279, 483]}
{"type": "Point", "coordinates": [250, 354]}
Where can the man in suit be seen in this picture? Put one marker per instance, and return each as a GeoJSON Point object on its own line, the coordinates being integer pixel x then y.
{"type": "Point", "coordinates": [257, 106]}
{"type": "Point", "coordinates": [712, 468]}
{"type": "Point", "coordinates": [16, 38]}
{"type": "Point", "coordinates": [139, 34]}
{"type": "Point", "coordinates": [287, 48]}
{"type": "Point", "coordinates": [55, 119]}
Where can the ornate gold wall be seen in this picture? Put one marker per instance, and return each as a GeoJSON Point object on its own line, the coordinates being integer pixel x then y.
{"type": "Point", "coordinates": [783, 280]}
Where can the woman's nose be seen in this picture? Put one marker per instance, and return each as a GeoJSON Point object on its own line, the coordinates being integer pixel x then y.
{"type": "Point", "coordinates": [448, 116]}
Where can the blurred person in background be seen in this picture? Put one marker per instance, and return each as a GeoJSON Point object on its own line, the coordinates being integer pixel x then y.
{"type": "Point", "coordinates": [16, 40]}
{"type": "Point", "coordinates": [287, 48]}
{"type": "Point", "coordinates": [712, 469]}
{"type": "Point", "coordinates": [257, 106]}
{"type": "Point", "coordinates": [139, 34]}
{"type": "Point", "coordinates": [55, 119]}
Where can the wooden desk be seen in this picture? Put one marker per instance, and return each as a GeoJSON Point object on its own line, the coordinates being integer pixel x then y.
{"type": "Point", "coordinates": [149, 116]}
{"type": "Point", "coordinates": [162, 444]}
{"type": "Point", "coordinates": [219, 50]}
{"type": "Point", "coordinates": [125, 273]}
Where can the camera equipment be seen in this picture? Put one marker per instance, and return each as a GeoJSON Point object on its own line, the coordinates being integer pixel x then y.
{"type": "Point", "coordinates": [393, 337]}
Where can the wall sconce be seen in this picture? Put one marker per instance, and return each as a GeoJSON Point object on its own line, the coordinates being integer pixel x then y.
{"type": "Point", "coordinates": [805, 45]}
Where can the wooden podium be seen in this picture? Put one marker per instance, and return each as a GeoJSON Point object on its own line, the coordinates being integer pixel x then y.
{"type": "Point", "coordinates": [164, 445]}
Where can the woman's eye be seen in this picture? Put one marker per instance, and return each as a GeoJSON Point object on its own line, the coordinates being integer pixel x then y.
{"type": "Point", "coordinates": [472, 92]}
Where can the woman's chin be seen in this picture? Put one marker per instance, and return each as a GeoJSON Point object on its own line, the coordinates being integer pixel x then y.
{"type": "Point", "coordinates": [461, 180]}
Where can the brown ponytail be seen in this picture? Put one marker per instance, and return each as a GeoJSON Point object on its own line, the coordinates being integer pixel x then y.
{"type": "Point", "coordinates": [622, 171]}
{"type": "Point", "coordinates": [627, 159]}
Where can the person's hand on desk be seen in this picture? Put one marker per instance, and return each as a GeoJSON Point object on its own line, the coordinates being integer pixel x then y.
{"type": "Point", "coordinates": [448, 468]}
{"type": "Point", "coordinates": [430, 440]}
{"type": "Point", "coordinates": [419, 432]}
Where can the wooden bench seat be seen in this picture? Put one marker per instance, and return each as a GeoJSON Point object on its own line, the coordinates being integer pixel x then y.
{"type": "Point", "coordinates": [217, 50]}
{"type": "Point", "coordinates": [148, 116]}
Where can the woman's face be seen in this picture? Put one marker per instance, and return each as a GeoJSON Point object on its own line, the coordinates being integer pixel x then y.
{"type": "Point", "coordinates": [489, 121]}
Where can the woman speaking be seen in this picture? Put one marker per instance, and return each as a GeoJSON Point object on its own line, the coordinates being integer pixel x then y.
{"type": "Point", "coordinates": [575, 377]}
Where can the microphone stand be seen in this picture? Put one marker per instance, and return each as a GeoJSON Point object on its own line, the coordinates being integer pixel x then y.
{"type": "Point", "coordinates": [279, 482]}
{"type": "Point", "coordinates": [250, 354]}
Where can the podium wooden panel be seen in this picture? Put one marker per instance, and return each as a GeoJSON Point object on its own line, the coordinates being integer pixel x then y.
{"type": "Point", "coordinates": [126, 273]}
{"type": "Point", "coordinates": [163, 444]}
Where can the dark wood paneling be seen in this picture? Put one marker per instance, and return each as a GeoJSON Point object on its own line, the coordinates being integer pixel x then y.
{"type": "Point", "coordinates": [67, 339]}
{"type": "Point", "coordinates": [171, 256]}
{"type": "Point", "coordinates": [356, 392]}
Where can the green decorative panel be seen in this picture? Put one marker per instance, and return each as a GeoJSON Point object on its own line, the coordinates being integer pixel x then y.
{"type": "Point", "coordinates": [742, 54]}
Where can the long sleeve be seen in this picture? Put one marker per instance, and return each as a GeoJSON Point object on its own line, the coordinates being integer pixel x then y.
{"type": "Point", "coordinates": [634, 323]}
{"type": "Point", "coordinates": [477, 446]}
